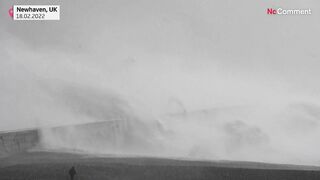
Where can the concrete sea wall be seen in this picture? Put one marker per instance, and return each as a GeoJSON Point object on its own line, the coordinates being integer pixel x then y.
{"type": "Point", "coordinates": [117, 136]}
{"type": "Point", "coordinates": [19, 141]}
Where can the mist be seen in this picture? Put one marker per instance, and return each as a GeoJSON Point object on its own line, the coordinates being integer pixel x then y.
{"type": "Point", "coordinates": [209, 80]}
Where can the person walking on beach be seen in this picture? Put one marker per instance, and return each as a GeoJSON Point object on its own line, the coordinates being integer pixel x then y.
{"type": "Point", "coordinates": [72, 172]}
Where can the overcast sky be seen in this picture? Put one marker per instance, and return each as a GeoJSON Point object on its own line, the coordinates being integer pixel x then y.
{"type": "Point", "coordinates": [202, 54]}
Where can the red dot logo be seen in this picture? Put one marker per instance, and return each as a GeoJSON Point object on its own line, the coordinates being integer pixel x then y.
{"type": "Point", "coordinates": [11, 12]}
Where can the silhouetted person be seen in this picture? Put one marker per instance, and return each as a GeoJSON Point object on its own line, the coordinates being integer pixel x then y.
{"type": "Point", "coordinates": [72, 172]}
